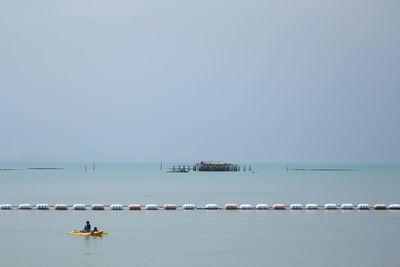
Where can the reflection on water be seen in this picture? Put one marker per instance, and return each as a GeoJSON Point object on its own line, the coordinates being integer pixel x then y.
{"type": "Point", "coordinates": [92, 242]}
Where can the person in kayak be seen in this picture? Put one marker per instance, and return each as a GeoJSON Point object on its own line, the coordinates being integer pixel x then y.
{"type": "Point", "coordinates": [86, 228]}
{"type": "Point", "coordinates": [96, 232]}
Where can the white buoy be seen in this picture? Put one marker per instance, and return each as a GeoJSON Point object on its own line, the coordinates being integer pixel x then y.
{"type": "Point", "coordinates": [394, 207]}
{"type": "Point", "coordinates": [363, 206]}
{"type": "Point", "coordinates": [211, 207]}
{"type": "Point", "coordinates": [189, 206]}
{"type": "Point", "coordinates": [278, 206]}
{"type": "Point", "coordinates": [79, 206]}
{"type": "Point", "coordinates": [60, 207]}
{"type": "Point", "coordinates": [296, 206]}
{"type": "Point", "coordinates": [312, 206]}
{"type": "Point", "coordinates": [24, 206]}
{"type": "Point", "coordinates": [347, 206]}
{"type": "Point", "coordinates": [42, 207]}
{"type": "Point", "coordinates": [170, 207]}
{"type": "Point", "coordinates": [331, 206]}
{"type": "Point", "coordinates": [134, 207]}
{"type": "Point", "coordinates": [116, 207]}
{"type": "Point", "coordinates": [380, 206]}
{"type": "Point", "coordinates": [6, 207]}
{"type": "Point", "coordinates": [151, 207]}
{"type": "Point", "coordinates": [262, 206]}
{"type": "Point", "coordinates": [231, 206]}
{"type": "Point", "coordinates": [245, 207]}
{"type": "Point", "coordinates": [97, 207]}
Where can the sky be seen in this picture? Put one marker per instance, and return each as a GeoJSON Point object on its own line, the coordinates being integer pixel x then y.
{"type": "Point", "coordinates": [240, 81]}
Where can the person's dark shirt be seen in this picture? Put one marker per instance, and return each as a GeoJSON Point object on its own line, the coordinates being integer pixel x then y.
{"type": "Point", "coordinates": [87, 228]}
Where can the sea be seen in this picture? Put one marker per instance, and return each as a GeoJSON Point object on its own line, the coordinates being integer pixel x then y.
{"type": "Point", "coordinates": [200, 237]}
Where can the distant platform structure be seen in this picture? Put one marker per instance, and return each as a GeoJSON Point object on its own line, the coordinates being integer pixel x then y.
{"type": "Point", "coordinates": [216, 166]}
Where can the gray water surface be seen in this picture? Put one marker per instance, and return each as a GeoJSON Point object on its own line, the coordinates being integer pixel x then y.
{"type": "Point", "coordinates": [200, 237]}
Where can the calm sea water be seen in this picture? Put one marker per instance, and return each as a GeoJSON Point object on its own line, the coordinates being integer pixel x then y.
{"type": "Point", "coordinates": [200, 237]}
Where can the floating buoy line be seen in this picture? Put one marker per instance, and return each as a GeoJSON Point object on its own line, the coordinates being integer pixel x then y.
{"type": "Point", "coordinates": [312, 206]}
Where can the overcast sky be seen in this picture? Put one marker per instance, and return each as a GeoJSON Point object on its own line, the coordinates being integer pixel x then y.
{"type": "Point", "coordinates": [266, 81]}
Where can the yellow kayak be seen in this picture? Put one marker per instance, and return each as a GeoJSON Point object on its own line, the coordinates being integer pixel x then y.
{"type": "Point", "coordinates": [100, 233]}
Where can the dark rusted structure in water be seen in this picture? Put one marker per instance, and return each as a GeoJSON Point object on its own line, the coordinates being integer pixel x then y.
{"type": "Point", "coordinates": [216, 166]}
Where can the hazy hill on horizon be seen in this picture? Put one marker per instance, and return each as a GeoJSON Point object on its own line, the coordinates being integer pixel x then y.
{"type": "Point", "coordinates": [89, 156]}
